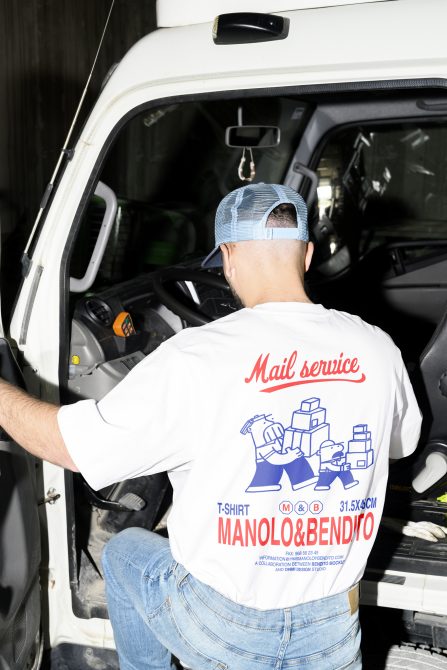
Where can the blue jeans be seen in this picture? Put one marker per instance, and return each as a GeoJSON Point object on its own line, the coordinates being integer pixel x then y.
{"type": "Point", "coordinates": [157, 608]}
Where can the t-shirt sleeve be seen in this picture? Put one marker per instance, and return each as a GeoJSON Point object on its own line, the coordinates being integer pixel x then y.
{"type": "Point", "coordinates": [407, 416]}
{"type": "Point", "coordinates": [140, 427]}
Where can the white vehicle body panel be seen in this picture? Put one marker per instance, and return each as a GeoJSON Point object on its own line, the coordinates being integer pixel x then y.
{"type": "Point", "coordinates": [172, 13]}
{"type": "Point", "coordinates": [350, 43]}
{"type": "Point", "coordinates": [406, 591]}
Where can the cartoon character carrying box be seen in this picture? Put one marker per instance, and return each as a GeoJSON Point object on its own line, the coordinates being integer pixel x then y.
{"type": "Point", "coordinates": [295, 450]}
{"type": "Point", "coordinates": [272, 459]}
{"type": "Point", "coordinates": [333, 464]}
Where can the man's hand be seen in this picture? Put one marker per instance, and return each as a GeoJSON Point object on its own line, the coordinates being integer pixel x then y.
{"type": "Point", "coordinates": [274, 432]}
{"type": "Point", "coordinates": [33, 424]}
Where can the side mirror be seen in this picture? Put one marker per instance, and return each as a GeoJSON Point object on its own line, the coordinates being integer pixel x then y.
{"type": "Point", "coordinates": [252, 137]}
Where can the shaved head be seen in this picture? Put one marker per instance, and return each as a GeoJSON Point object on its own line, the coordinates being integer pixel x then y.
{"type": "Point", "coordinates": [273, 253]}
{"type": "Point", "coordinates": [267, 270]}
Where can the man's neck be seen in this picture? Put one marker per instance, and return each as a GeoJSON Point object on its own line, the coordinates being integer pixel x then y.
{"type": "Point", "coordinates": [276, 295]}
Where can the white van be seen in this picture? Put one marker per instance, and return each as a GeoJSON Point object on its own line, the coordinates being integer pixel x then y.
{"type": "Point", "coordinates": [345, 101]}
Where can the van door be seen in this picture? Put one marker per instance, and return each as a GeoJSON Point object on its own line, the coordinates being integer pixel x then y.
{"type": "Point", "coordinates": [21, 642]}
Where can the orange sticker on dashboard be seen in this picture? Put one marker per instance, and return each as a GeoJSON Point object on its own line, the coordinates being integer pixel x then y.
{"type": "Point", "coordinates": [123, 326]}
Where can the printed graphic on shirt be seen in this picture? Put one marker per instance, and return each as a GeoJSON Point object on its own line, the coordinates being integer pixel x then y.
{"type": "Point", "coordinates": [304, 451]}
{"type": "Point", "coordinates": [292, 371]}
{"type": "Point", "coordinates": [301, 530]}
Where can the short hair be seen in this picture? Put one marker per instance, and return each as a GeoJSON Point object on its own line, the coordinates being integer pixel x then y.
{"type": "Point", "coordinates": [282, 216]}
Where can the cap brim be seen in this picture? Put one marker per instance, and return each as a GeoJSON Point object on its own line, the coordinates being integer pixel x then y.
{"type": "Point", "coordinates": [214, 259]}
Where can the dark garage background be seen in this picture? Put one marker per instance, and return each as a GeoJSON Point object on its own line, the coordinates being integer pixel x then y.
{"type": "Point", "coordinates": [47, 48]}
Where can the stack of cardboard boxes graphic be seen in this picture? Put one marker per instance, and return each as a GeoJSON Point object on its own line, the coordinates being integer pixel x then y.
{"type": "Point", "coordinates": [360, 454]}
{"type": "Point", "coordinates": [308, 428]}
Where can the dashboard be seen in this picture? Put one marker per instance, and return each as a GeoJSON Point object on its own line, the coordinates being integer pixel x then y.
{"type": "Point", "coordinates": [115, 328]}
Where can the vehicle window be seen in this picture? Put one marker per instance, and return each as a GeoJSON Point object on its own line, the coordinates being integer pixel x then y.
{"type": "Point", "coordinates": [169, 168]}
{"type": "Point", "coordinates": [380, 186]}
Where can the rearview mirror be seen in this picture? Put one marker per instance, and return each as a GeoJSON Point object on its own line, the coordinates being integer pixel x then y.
{"type": "Point", "coordinates": [253, 137]}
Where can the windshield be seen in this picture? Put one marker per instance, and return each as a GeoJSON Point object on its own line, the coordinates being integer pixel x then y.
{"type": "Point", "coordinates": [169, 168]}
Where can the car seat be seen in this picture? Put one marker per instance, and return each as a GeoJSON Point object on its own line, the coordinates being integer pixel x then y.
{"type": "Point", "coordinates": [432, 464]}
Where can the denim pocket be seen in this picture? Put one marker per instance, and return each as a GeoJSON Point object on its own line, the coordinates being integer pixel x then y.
{"type": "Point", "coordinates": [191, 650]}
{"type": "Point", "coordinates": [240, 640]}
{"type": "Point", "coordinates": [176, 635]}
{"type": "Point", "coordinates": [336, 646]}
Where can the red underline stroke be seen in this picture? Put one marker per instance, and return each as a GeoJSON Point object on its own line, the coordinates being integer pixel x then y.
{"type": "Point", "coordinates": [270, 389]}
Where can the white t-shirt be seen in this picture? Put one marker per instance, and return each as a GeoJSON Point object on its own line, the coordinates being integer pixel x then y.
{"type": "Point", "coordinates": [275, 425]}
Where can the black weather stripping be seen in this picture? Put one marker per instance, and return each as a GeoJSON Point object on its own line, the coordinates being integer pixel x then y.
{"type": "Point", "coordinates": [247, 27]}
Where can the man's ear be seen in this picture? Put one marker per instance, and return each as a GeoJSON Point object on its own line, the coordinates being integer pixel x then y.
{"type": "Point", "coordinates": [226, 251]}
{"type": "Point", "coordinates": [309, 254]}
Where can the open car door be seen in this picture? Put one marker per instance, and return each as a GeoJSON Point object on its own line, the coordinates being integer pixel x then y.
{"type": "Point", "coordinates": [21, 642]}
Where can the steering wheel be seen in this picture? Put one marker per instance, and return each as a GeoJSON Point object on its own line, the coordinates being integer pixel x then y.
{"type": "Point", "coordinates": [193, 316]}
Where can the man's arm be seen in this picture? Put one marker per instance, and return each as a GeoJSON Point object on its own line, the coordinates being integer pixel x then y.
{"type": "Point", "coordinates": [33, 424]}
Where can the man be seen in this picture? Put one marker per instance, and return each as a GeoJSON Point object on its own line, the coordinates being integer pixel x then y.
{"type": "Point", "coordinates": [266, 545]}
